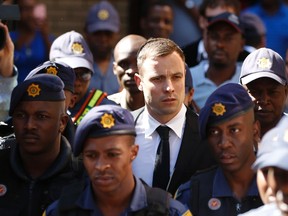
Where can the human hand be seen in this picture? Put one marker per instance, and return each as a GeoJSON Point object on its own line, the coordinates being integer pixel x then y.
{"type": "Point", "coordinates": [6, 54]}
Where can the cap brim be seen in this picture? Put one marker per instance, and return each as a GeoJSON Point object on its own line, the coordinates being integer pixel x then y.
{"type": "Point", "coordinates": [226, 21]}
{"type": "Point", "coordinates": [253, 76]}
{"type": "Point", "coordinates": [101, 27]}
{"type": "Point", "coordinates": [277, 158]}
{"type": "Point", "coordinates": [76, 62]}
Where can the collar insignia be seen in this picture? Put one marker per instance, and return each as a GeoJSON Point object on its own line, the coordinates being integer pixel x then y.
{"type": "Point", "coordinates": [264, 63]}
{"type": "Point", "coordinates": [33, 90]}
{"type": "Point", "coordinates": [3, 190]}
{"type": "Point", "coordinates": [218, 109]}
{"type": "Point", "coordinates": [77, 48]}
{"type": "Point", "coordinates": [187, 213]}
{"type": "Point", "coordinates": [103, 14]}
{"type": "Point", "coordinates": [107, 121]}
{"type": "Point", "coordinates": [52, 70]}
{"type": "Point", "coordinates": [214, 203]}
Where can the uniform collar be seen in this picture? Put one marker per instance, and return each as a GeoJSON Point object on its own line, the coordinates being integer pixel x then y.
{"type": "Point", "coordinates": [221, 187]}
{"type": "Point", "coordinates": [138, 202]}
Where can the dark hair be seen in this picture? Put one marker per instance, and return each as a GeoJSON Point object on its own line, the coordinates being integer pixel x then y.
{"type": "Point", "coordinates": [216, 3]}
{"type": "Point", "coordinates": [153, 3]}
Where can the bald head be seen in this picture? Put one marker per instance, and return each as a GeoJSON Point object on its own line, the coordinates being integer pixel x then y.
{"type": "Point", "coordinates": [129, 44]}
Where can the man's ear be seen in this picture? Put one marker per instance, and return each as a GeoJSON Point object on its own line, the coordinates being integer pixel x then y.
{"type": "Point", "coordinates": [114, 68]}
{"type": "Point", "coordinates": [134, 151]}
{"type": "Point", "coordinates": [63, 122]}
{"type": "Point", "coordinates": [138, 82]}
{"type": "Point", "coordinates": [72, 101]}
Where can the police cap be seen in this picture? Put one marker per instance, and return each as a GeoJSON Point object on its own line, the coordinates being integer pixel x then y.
{"type": "Point", "coordinates": [103, 120]}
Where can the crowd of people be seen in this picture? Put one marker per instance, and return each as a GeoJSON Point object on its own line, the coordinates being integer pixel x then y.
{"type": "Point", "coordinates": [95, 124]}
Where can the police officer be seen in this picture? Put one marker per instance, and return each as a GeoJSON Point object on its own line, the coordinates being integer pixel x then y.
{"type": "Point", "coordinates": [264, 76]}
{"type": "Point", "coordinates": [273, 157]}
{"type": "Point", "coordinates": [227, 123]}
{"type": "Point", "coordinates": [35, 169]}
{"type": "Point", "coordinates": [105, 138]}
{"type": "Point", "coordinates": [67, 75]}
{"type": "Point", "coordinates": [72, 49]}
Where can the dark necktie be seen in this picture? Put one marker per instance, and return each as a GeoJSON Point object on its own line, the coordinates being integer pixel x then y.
{"type": "Point", "coordinates": [161, 173]}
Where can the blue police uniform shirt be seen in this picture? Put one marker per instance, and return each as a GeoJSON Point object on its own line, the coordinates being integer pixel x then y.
{"type": "Point", "coordinates": [139, 201]}
{"type": "Point", "coordinates": [203, 86]}
{"type": "Point", "coordinates": [217, 197]}
{"type": "Point", "coordinates": [108, 82]}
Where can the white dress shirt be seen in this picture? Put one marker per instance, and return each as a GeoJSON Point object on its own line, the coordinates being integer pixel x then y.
{"type": "Point", "coordinates": [148, 140]}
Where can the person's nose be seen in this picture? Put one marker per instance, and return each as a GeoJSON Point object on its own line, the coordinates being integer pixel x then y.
{"type": "Point", "coordinates": [101, 164]}
{"type": "Point", "coordinates": [132, 70]}
{"type": "Point", "coordinates": [224, 141]}
{"type": "Point", "coordinates": [169, 86]}
{"type": "Point", "coordinates": [30, 123]}
{"type": "Point", "coordinates": [263, 98]}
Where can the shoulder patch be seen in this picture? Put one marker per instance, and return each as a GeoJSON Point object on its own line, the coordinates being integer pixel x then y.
{"type": "Point", "coordinates": [187, 213]}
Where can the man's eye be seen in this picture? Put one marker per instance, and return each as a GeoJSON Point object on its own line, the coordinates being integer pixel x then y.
{"type": "Point", "coordinates": [19, 115]}
{"type": "Point", "coordinates": [124, 65]}
{"type": "Point", "coordinates": [89, 155]}
{"type": "Point", "coordinates": [253, 92]}
{"type": "Point", "coordinates": [156, 79]}
{"type": "Point", "coordinates": [113, 154]}
{"type": "Point", "coordinates": [213, 132]}
{"type": "Point", "coordinates": [41, 116]}
{"type": "Point", "coordinates": [235, 130]}
{"type": "Point", "coordinates": [178, 77]}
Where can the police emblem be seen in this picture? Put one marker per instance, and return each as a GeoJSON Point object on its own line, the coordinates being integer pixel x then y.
{"type": "Point", "coordinates": [103, 14]}
{"type": "Point", "coordinates": [33, 90]}
{"type": "Point", "coordinates": [3, 190]}
{"type": "Point", "coordinates": [52, 70]}
{"type": "Point", "coordinates": [107, 121]}
{"type": "Point", "coordinates": [187, 213]}
{"type": "Point", "coordinates": [264, 63]}
{"type": "Point", "coordinates": [214, 203]}
{"type": "Point", "coordinates": [218, 109]}
{"type": "Point", "coordinates": [77, 48]}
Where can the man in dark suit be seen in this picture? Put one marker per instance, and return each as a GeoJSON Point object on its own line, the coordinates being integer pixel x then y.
{"type": "Point", "coordinates": [161, 66]}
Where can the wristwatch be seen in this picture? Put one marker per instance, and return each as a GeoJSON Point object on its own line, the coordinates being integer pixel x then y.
{"type": "Point", "coordinates": [189, 4]}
